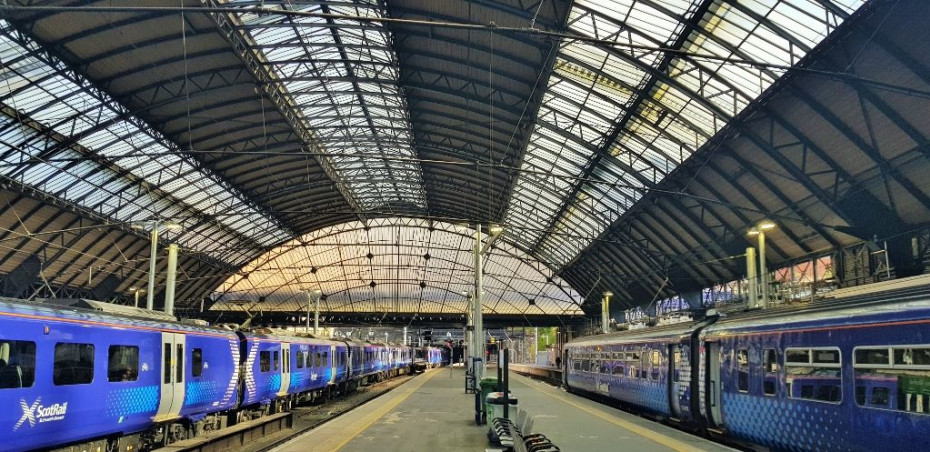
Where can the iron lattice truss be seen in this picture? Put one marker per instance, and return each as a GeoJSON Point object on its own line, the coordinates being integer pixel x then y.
{"type": "Point", "coordinates": [626, 145]}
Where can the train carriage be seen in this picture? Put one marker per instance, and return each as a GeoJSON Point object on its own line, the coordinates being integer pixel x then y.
{"type": "Point", "coordinates": [853, 378]}
{"type": "Point", "coordinates": [649, 369]}
{"type": "Point", "coordinates": [68, 376]}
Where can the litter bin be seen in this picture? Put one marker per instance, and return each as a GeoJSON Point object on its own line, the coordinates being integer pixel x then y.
{"type": "Point", "coordinates": [494, 404]}
{"type": "Point", "coordinates": [487, 386]}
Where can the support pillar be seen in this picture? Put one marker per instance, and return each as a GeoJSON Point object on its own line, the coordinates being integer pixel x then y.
{"type": "Point", "coordinates": [172, 277]}
{"type": "Point", "coordinates": [150, 295]}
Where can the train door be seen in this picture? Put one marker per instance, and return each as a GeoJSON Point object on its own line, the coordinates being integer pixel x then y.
{"type": "Point", "coordinates": [712, 367]}
{"type": "Point", "coordinates": [172, 379]}
{"type": "Point", "coordinates": [285, 368]}
{"type": "Point", "coordinates": [565, 367]}
{"type": "Point", "coordinates": [333, 357]}
{"type": "Point", "coordinates": [674, 385]}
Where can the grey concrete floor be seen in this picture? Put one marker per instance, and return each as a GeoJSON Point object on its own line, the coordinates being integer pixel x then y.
{"type": "Point", "coordinates": [432, 413]}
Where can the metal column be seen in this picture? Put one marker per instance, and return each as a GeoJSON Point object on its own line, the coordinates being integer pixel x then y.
{"type": "Point", "coordinates": [172, 277]}
{"type": "Point", "coordinates": [753, 301]}
{"type": "Point", "coordinates": [479, 304]}
{"type": "Point", "coordinates": [150, 296]}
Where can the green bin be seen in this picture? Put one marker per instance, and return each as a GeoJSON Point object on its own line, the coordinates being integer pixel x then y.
{"type": "Point", "coordinates": [488, 385]}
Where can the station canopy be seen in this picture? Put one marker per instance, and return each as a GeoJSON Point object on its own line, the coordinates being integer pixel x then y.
{"type": "Point", "coordinates": [624, 146]}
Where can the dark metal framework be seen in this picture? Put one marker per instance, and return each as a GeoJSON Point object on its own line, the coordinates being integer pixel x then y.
{"type": "Point", "coordinates": [633, 160]}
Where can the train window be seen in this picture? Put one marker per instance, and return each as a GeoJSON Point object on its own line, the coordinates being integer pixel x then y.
{"type": "Point", "coordinates": [74, 364]}
{"type": "Point", "coordinates": [325, 357]}
{"type": "Point", "coordinates": [122, 363]}
{"type": "Point", "coordinates": [586, 365]}
{"type": "Point", "coordinates": [264, 359]}
{"type": "Point", "coordinates": [798, 356]}
{"type": "Point", "coordinates": [619, 370]}
{"type": "Point", "coordinates": [826, 356]}
{"type": "Point", "coordinates": [316, 361]}
{"type": "Point", "coordinates": [605, 369]}
{"type": "Point", "coordinates": [277, 360]}
{"type": "Point", "coordinates": [576, 365]}
{"type": "Point", "coordinates": [875, 356]}
{"type": "Point", "coordinates": [197, 362]}
{"type": "Point", "coordinates": [300, 359]}
{"type": "Point", "coordinates": [167, 364]}
{"type": "Point", "coordinates": [770, 371]}
{"type": "Point", "coordinates": [17, 364]}
{"type": "Point", "coordinates": [742, 370]}
{"type": "Point", "coordinates": [894, 378]}
{"type": "Point", "coordinates": [819, 378]}
{"type": "Point", "coordinates": [180, 369]}
{"type": "Point", "coordinates": [912, 356]}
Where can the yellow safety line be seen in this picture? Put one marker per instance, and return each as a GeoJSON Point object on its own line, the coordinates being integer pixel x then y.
{"type": "Point", "coordinates": [641, 431]}
{"type": "Point", "coordinates": [379, 413]}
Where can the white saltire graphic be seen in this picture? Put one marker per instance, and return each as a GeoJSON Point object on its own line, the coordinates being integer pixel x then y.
{"type": "Point", "coordinates": [28, 413]}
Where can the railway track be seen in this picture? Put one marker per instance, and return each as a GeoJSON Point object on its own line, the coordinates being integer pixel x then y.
{"type": "Point", "coordinates": [266, 433]}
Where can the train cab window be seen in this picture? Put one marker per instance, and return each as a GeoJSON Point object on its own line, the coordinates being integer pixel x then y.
{"type": "Point", "coordinates": [17, 364]}
{"type": "Point", "coordinates": [122, 363]}
{"type": "Point", "coordinates": [769, 371]}
{"type": "Point", "coordinates": [819, 378]}
{"type": "Point", "coordinates": [74, 364]}
{"type": "Point", "coordinates": [277, 360]}
{"type": "Point", "coordinates": [742, 370]}
{"type": "Point", "coordinates": [197, 362]}
{"type": "Point", "coordinates": [893, 377]}
{"type": "Point", "coordinates": [264, 361]}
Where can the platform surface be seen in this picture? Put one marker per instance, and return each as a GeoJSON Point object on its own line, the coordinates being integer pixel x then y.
{"type": "Point", "coordinates": [432, 413]}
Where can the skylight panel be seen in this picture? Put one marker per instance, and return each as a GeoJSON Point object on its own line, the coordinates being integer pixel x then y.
{"type": "Point", "coordinates": [363, 105]}
{"type": "Point", "coordinates": [65, 105]}
{"type": "Point", "coordinates": [679, 112]}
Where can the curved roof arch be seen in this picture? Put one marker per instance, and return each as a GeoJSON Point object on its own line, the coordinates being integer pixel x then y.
{"type": "Point", "coordinates": [397, 266]}
{"type": "Point", "coordinates": [627, 144]}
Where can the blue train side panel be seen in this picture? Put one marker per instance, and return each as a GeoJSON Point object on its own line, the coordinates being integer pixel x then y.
{"type": "Point", "coordinates": [831, 401]}
{"type": "Point", "coordinates": [262, 371]}
{"type": "Point", "coordinates": [211, 374]}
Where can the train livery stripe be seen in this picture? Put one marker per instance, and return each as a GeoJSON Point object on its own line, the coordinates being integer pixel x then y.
{"type": "Point", "coordinates": [645, 432]}
{"type": "Point", "coordinates": [112, 325]}
{"type": "Point", "coordinates": [736, 332]}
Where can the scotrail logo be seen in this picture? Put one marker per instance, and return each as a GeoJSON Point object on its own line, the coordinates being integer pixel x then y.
{"type": "Point", "coordinates": [37, 413]}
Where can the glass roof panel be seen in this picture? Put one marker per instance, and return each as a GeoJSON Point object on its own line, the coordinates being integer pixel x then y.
{"type": "Point", "coordinates": [100, 166]}
{"type": "Point", "coordinates": [357, 102]}
{"type": "Point", "coordinates": [673, 111]}
{"type": "Point", "coordinates": [416, 266]}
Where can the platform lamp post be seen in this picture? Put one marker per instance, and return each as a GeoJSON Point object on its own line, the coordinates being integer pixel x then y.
{"type": "Point", "coordinates": [759, 231]}
{"type": "Point", "coordinates": [153, 256]}
{"type": "Point", "coordinates": [481, 249]}
{"type": "Point", "coordinates": [135, 291]}
{"type": "Point", "coordinates": [313, 298]}
{"type": "Point", "coordinates": [605, 311]}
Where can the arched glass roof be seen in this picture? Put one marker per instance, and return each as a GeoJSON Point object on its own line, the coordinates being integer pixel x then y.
{"type": "Point", "coordinates": [617, 119]}
{"type": "Point", "coordinates": [396, 266]}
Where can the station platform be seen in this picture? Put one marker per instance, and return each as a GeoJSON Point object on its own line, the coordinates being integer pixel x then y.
{"type": "Point", "coordinates": [432, 412]}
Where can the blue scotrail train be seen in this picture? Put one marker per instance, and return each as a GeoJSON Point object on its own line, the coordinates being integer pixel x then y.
{"type": "Point", "coordinates": [112, 382]}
